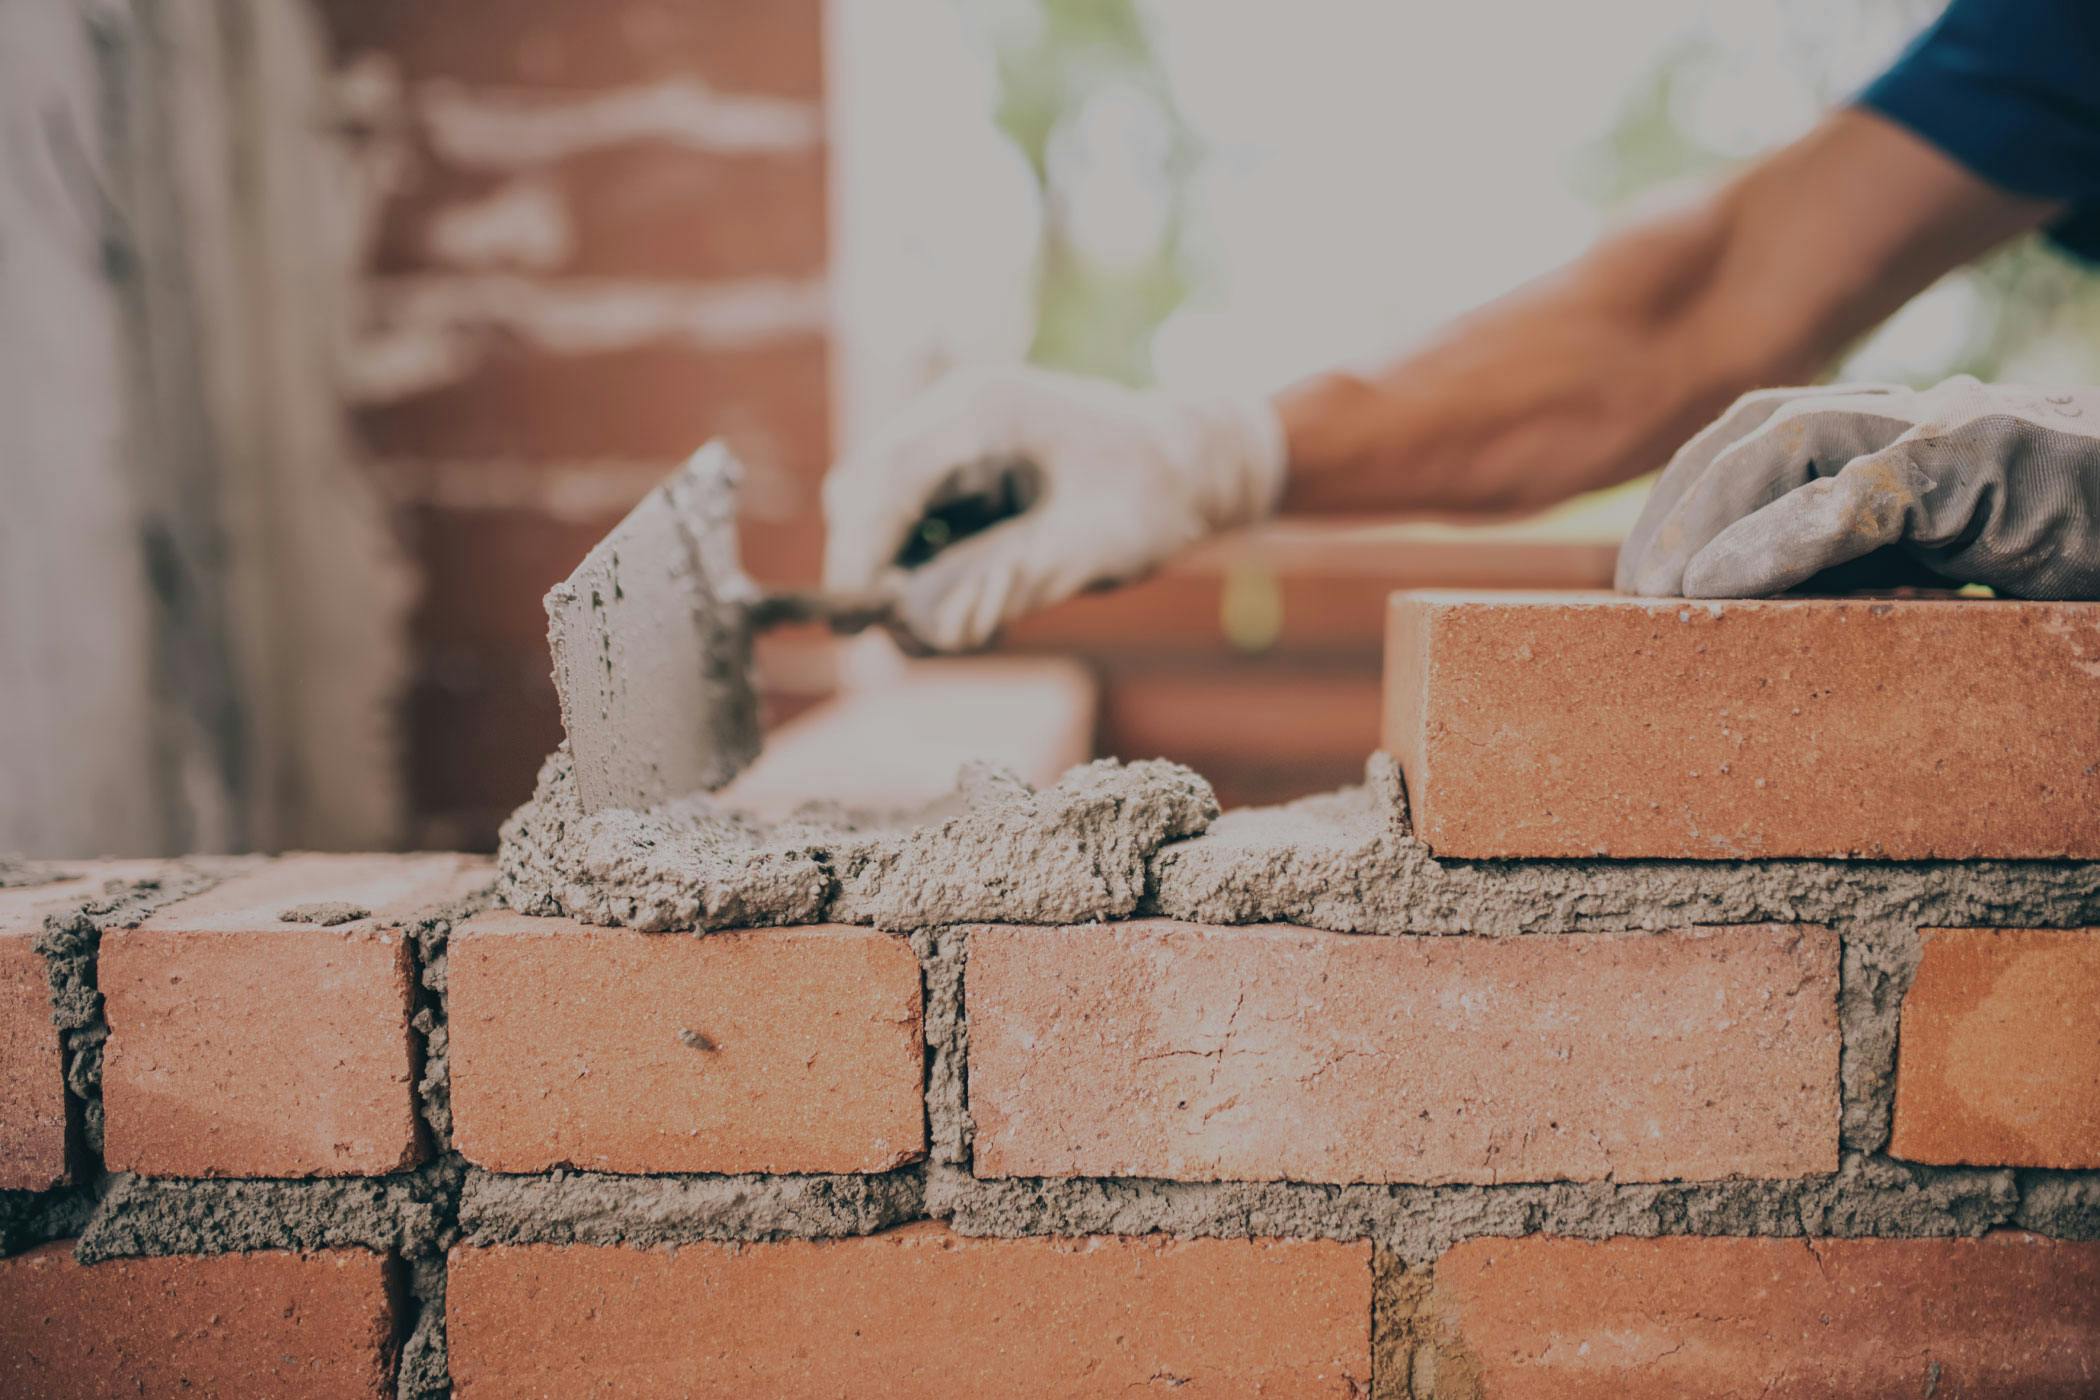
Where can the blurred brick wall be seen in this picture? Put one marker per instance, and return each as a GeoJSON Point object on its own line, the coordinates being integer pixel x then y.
{"type": "Point", "coordinates": [602, 240]}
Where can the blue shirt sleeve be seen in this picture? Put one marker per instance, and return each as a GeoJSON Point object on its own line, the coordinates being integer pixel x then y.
{"type": "Point", "coordinates": [2011, 89]}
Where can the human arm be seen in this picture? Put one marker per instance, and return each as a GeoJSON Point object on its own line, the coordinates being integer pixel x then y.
{"type": "Point", "coordinates": [1595, 373]}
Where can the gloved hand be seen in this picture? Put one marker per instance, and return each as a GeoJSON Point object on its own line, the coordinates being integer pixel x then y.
{"type": "Point", "coordinates": [1980, 483]}
{"type": "Point", "coordinates": [1117, 481]}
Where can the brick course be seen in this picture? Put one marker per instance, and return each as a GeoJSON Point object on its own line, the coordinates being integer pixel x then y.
{"type": "Point", "coordinates": [788, 1050]}
{"type": "Point", "coordinates": [1590, 724]}
{"type": "Point", "coordinates": [1998, 1060]}
{"type": "Point", "coordinates": [1178, 1050]}
{"type": "Point", "coordinates": [245, 1044]}
{"type": "Point", "coordinates": [915, 1312]}
{"type": "Point", "coordinates": [312, 1325]}
{"type": "Point", "coordinates": [2008, 1315]}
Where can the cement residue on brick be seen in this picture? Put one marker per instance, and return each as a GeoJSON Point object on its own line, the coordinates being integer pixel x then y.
{"type": "Point", "coordinates": [410, 1213]}
{"type": "Point", "coordinates": [431, 936]}
{"type": "Point", "coordinates": [1866, 1197]}
{"type": "Point", "coordinates": [70, 942]}
{"type": "Point", "coordinates": [1348, 861]}
{"type": "Point", "coordinates": [602, 1209]}
{"type": "Point", "coordinates": [942, 953]}
{"type": "Point", "coordinates": [996, 850]}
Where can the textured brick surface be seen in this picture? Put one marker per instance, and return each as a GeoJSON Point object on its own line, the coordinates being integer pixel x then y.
{"type": "Point", "coordinates": [33, 1134]}
{"type": "Point", "coordinates": [915, 1312]}
{"type": "Point", "coordinates": [1175, 1050]}
{"type": "Point", "coordinates": [774, 1050]}
{"type": "Point", "coordinates": [1998, 1061]}
{"type": "Point", "coordinates": [313, 1325]}
{"type": "Point", "coordinates": [32, 1077]}
{"type": "Point", "coordinates": [1587, 724]}
{"type": "Point", "coordinates": [2008, 1315]}
{"type": "Point", "coordinates": [245, 1044]}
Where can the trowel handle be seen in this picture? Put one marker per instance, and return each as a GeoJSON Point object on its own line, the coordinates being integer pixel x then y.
{"type": "Point", "coordinates": [972, 501]}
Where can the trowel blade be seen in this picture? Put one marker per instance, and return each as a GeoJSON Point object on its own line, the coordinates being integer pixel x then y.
{"type": "Point", "coordinates": [651, 638]}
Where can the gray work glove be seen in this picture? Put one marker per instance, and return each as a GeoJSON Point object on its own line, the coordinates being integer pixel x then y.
{"type": "Point", "coordinates": [1980, 483]}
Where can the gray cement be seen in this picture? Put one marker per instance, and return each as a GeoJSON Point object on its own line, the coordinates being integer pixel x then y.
{"type": "Point", "coordinates": [651, 637]}
{"type": "Point", "coordinates": [409, 1213]}
{"type": "Point", "coordinates": [595, 1208]}
{"type": "Point", "coordinates": [996, 850]}
{"type": "Point", "coordinates": [1349, 861]}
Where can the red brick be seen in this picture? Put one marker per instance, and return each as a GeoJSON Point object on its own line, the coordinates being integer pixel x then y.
{"type": "Point", "coordinates": [772, 1050]}
{"type": "Point", "coordinates": [32, 1072]}
{"type": "Point", "coordinates": [1587, 724]}
{"type": "Point", "coordinates": [759, 46]}
{"type": "Point", "coordinates": [33, 1120]}
{"type": "Point", "coordinates": [1998, 1061]}
{"type": "Point", "coordinates": [641, 209]}
{"type": "Point", "coordinates": [654, 401]}
{"type": "Point", "coordinates": [916, 1312]}
{"type": "Point", "coordinates": [1176, 1050]}
{"type": "Point", "coordinates": [2007, 1315]}
{"type": "Point", "coordinates": [242, 1044]}
{"type": "Point", "coordinates": [311, 1325]}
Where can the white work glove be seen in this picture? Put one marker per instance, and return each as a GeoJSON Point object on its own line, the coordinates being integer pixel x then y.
{"type": "Point", "coordinates": [1980, 483]}
{"type": "Point", "coordinates": [1116, 480]}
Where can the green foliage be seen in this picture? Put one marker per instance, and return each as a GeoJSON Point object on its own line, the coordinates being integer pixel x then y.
{"type": "Point", "coordinates": [1054, 56]}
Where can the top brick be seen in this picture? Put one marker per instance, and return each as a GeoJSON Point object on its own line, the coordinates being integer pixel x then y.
{"type": "Point", "coordinates": [1586, 724]}
{"type": "Point", "coordinates": [261, 1028]}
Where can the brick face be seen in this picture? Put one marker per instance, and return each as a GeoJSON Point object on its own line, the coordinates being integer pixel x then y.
{"type": "Point", "coordinates": [1177, 1050]}
{"type": "Point", "coordinates": [785, 1050]}
{"type": "Point", "coordinates": [753, 46]}
{"type": "Point", "coordinates": [32, 1079]}
{"type": "Point", "coordinates": [34, 1137]}
{"type": "Point", "coordinates": [915, 1312]}
{"type": "Point", "coordinates": [245, 1044]}
{"type": "Point", "coordinates": [2008, 1315]}
{"type": "Point", "coordinates": [1998, 1061]}
{"type": "Point", "coordinates": [311, 1325]}
{"type": "Point", "coordinates": [1587, 724]}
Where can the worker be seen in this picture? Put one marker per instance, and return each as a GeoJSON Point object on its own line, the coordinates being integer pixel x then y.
{"type": "Point", "coordinates": [1987, 127]}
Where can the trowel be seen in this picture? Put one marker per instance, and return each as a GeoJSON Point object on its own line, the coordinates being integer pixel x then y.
{"type": "Point", "coordinates": [652, 635]}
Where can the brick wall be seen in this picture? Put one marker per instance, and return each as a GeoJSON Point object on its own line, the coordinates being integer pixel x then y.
{"type": "Point", "coordinates": [602, 239]}
{"type": "Point", "coordinates": [1340, 1115]}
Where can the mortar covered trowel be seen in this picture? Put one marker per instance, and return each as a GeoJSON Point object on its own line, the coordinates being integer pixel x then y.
{"type": "Point", "coordinates": [652, 637]}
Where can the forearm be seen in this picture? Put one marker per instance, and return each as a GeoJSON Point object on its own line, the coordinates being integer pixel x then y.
{"type": "Point", "coordinates": [1596, 373]}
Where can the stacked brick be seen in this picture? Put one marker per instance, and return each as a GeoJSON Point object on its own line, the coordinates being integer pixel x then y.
{"type": "Point", "coordinates": [1627, 1127]}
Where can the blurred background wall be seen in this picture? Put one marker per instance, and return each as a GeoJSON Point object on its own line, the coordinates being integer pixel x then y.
{"type": "Point", "coordinates": [333, 331]}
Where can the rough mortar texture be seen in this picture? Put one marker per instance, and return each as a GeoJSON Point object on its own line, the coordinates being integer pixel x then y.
{"type": "Point", "coordinates": [410, 1213]}
{"type": "Point", "coordinates": [594, 1208]}
{"type": "Point", "coordinates": [997, 850]}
